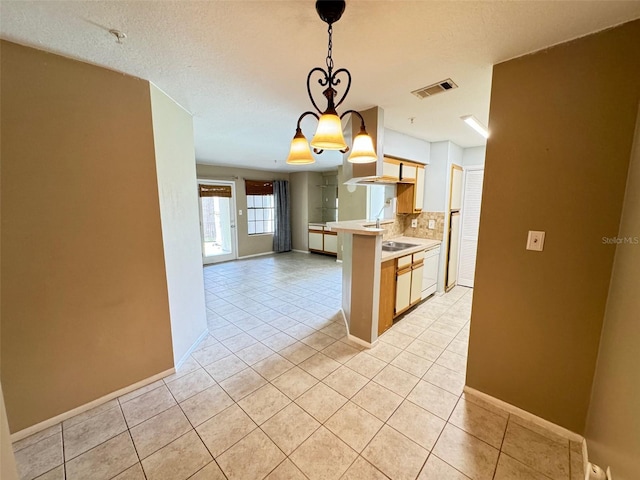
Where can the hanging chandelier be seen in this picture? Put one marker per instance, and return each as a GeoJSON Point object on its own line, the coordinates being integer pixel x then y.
{"type": "Point", "coordinates": [328, 134]}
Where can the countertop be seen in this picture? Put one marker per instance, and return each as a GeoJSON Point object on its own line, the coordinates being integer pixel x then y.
{"type": "Point", "coordinates": [358, 227]}
{"type": "Point", "coordinates": [422, 244]}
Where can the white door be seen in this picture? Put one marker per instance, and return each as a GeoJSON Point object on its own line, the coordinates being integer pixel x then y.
{"type": "Point", "coordinates": [217, 221]}
{"type": "Point", "coordinates": [472, 197]}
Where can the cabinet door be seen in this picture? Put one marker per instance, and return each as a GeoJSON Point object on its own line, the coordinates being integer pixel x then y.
{"type": "Point", "coordinates": [391, 169]}
{"type": "Point", "coordinates": [416, 284]}
{"type": "Point", "coordinates": [403, 290]}
{"type": "Point", "coordinates": [315, 241]}
{"type": "Point", "coordinates": [330, 243]}
{"type": "Point", "coordinates": [387, 295]}
{"type": "Point", "coordinates": [408, 172]}
{"type": "Point", "coordinates": [419, 191]}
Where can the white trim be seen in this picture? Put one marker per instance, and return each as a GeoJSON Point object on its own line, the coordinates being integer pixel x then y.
{"type": "Point", "coordinates": [300, 251]}
{"type": "Point", "coordinates": [338, 261]}
{"type": "Point", "coordinates": [585, 458]}
{"type": "Point", "coordinates": [518, 412]}
{"type": "Point", "coordinates": [256, 255]}
{"type": "Point", "coordinates": [184, 358]}
{"type": "Point", "coordinates": [357, 340]}
{"type": "Point", "coordinates": [88, 406]}
{"type": "Point", "coordinates": [233, 219]}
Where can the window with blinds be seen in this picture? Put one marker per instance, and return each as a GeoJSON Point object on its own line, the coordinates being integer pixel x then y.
{"type": "Point", "coordinates": [260, 206]}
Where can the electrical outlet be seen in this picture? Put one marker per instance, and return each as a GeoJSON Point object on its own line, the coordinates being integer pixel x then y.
{"type": "Point", "coordinates": [414, 223]}
{"type": "Point", "coordinates": [535, 241]}
{"type": "Point", "coordinates": [240, 212]}
{"type": "Point", "coordinates": [432, 224]}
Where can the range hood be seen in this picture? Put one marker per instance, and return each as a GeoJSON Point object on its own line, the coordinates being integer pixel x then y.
{"type": "Point", "coordinates": [372, 180]}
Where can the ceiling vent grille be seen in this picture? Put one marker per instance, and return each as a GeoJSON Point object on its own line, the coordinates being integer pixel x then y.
{"type": "Point", "coordinates": [434, 89]}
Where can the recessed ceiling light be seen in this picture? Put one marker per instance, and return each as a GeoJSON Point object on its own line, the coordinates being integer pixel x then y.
{"type": "Point", "coordinates": [474, 123]}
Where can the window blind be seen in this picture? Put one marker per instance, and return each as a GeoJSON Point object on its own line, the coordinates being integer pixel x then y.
{"type": "Point", "coordinates": [258, 187]}
{"type": "Point", "coordinates": [214, 190]}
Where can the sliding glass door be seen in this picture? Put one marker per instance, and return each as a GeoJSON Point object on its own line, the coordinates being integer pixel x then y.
{"type": "Point", "coordinates": [217, 221]}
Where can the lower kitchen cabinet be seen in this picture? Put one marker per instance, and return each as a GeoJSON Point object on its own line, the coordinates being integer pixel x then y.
{"type": "Point", "coordinates": [403, 290]}
{"type": "Point", "coordinates": [322, 240]}
{"type": "Point", "coordinates": [387, 295]}
{"type": "Point", "coordinates": [400, 287]}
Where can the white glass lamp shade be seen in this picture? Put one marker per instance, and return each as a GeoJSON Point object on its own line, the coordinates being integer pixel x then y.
{"type": "Point", "coordinates": [363, 151]}
{"type": "Point", "coordinates": [300, 153]}
{"type": "Point", "coordinates": [329, 133]}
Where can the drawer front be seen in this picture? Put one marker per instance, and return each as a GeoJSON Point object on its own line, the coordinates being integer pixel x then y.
{"type": "Point", "coordinates": [404, 261]}
{"type": "Point", "coordinates": [418, 256]}
{"type": "Point", "coordinates": [316, 227]}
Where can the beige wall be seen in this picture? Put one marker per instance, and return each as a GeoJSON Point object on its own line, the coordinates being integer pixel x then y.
{"type": "Point", "coordinates": [299, 188]}
{"type": "Point", "coordinates": [562, 124]}
{"type": "Point", "coordinates": [177, 190]}
{"type": "Point", "coordinates": [351, 205]}
{"type": "Point", "coordinates": [84, 304]}
{"type": "Point", "coordinates": [613, 423]}
{"type": "Point", "coordinates": [247, 244]}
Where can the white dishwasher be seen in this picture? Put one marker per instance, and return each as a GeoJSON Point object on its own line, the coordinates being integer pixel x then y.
{"type": "Point", "coordinates": [430, 271]}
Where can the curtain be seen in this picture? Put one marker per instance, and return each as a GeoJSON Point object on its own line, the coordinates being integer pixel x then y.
{"type": "Point", "coordinates": [282, 223]}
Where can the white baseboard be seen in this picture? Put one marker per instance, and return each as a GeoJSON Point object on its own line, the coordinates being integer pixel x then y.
{"type": "Point", "coordinates": [184, 358]}
{"type": "Point", "coordinates": [300, 251]}
{"type": "Point", "coordinates": [87, 406]}
{"type": "Point", "coordinates": [518, 412]}
{"type": "Point", "coordinates": [354, 339]}
{"type": "Point", "coordinates": [359, 341]}
{"type": "Point", "coordinates": [256, 255]}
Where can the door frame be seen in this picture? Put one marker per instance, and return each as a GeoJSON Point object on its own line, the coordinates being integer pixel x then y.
{"type": "Point", "coordinates": [234, 221]}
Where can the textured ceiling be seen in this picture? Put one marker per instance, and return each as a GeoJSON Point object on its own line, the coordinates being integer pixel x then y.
{"type": "Point", "coordinates": [240, 66]}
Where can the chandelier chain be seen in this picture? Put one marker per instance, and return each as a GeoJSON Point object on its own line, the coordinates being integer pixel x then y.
{"type": "Point", "coordinates": [329, 50]}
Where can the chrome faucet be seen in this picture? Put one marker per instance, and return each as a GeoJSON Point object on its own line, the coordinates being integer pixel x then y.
{"type": "Point", "coordinates": [386, 202]}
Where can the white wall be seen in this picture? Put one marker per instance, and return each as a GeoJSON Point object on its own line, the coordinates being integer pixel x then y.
{"type": "Point", "coordinates": [473, 156]}
{"type": "Point", "coordinates": [613, 421]}
{"type": "Point", "coordinates": [177, 191]}
{"type": "Point", "coordinates": [398, 144]}
{"type": "Point", "coordinates": [435, 186]}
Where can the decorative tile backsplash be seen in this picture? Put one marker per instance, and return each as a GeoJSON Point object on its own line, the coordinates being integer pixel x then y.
{"type": "Point", "coordinates": [402, 226]}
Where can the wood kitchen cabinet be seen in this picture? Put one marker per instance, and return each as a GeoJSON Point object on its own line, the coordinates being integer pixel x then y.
{"type": "Point", "coordinates": [387, 295]}
{"type": "Point", "coordinates": [400, 287]}
{"type": "Point", "coordinates": [410, 196]}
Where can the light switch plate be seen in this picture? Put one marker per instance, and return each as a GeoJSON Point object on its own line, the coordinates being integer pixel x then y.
{"type": "Point", "coordinates": [432, 224]}
{"type": "Point", "coordinates": [414, 223]}
{"type": "Point", "coordinates": [535, 240]}
{"type": "Point", "coordinates": [239, 212]}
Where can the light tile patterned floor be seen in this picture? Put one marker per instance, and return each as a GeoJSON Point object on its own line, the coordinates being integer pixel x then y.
{"type": "Point", "coordinates": [277, 391]}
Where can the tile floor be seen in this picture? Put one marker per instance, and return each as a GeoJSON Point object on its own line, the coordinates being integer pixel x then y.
{"type": "Point", "coordinates": [277, 391]}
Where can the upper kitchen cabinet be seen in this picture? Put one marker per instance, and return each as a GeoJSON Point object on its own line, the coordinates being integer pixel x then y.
{"type": "Point", "coordinates": [410, 189]}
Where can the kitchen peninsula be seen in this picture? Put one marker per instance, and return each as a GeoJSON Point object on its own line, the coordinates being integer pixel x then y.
{"type": "Point", "coordinates": [362, 258]}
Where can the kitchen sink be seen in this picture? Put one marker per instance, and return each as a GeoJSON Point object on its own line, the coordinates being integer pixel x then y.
{"type": "Point", "coordinates": [390, 246]}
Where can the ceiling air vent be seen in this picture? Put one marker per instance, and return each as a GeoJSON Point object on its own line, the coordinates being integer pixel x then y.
{"type": "Point", "coordinates": [439, 87]}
